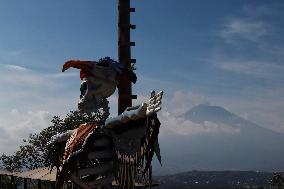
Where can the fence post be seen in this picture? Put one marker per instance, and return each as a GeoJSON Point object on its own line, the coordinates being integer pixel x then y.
{"type": "Point", "coordinates": [39, 184]}
{"type": "Point", "coordinates": [25, 183]}
{"type": "Point", "coordinates": [13, 184]}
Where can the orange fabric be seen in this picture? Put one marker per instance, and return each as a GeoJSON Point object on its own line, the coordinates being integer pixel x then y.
{"type": "Point", "coordinates": [77, 139]}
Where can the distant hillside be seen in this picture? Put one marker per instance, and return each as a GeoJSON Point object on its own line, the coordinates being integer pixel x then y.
{"type": "Point", "coordinates": [247, 147]}
{"type": "Point", "coordinates": [215, 180]}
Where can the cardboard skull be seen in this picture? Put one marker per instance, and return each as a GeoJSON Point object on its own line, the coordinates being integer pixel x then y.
{"type": "Point", "coordinates": [99, 81]}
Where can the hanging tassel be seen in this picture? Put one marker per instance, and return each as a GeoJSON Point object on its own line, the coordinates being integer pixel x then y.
{"type": "Point", "coordinates": [124, 174]}
{"type": "Point", "coordinates": [150, 177]}
{"type": "Point", "coordinates": [128, 176]}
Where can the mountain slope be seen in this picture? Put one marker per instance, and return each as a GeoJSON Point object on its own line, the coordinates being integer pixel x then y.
{"type": "Point", "coordinates": [218, 115]}
{"type": "Point", "coordinates": [251, 147]}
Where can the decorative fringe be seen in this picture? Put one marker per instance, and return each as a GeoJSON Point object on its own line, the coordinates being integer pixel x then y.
{"type": "Point", "coordinates": [131, 168]}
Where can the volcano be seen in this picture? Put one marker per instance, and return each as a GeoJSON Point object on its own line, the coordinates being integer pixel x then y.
{"type": "Point", "coordinates": [248, 147]}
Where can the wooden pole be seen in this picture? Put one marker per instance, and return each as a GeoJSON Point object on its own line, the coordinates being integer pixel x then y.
{"type": "Point", "coordinates": [39, 184]}
{"type": "Point", "coordinates": [25, 183]}
{"type": "Point", "coordinates": [124, 53]}
{"type": "Point", "coordinates": [13, 183]}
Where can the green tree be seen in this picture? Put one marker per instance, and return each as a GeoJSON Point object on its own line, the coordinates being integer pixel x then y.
{"type": "Point", "coordinates": [35, 152]}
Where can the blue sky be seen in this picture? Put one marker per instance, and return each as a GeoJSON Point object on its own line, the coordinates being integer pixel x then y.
{"type": "Point", "coordinates": [227, 53]}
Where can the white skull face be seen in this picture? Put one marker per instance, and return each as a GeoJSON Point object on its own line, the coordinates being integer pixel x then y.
{"type": "Point", "coordinates": [97, 87]}
{"type": "Point", "coordinates": [99, 81]}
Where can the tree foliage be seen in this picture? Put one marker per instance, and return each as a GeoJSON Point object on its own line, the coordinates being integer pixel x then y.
{"type": "Point", "coordinates": [34, 153]}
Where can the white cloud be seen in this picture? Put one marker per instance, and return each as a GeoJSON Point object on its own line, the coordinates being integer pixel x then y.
{"type": "Point", "coordinates": [254, 25]}
{"type": "Point", "coordinates": [256, 68]}
{"type": "Point", "coordinates": [28, 101]}
{"type": "Point", "coordinates": [21, 76]}
{"type": "Point", "coordinates": [244, 29]}
{"type": "Point", "coordinates": [61, 75]}
{"type": "Point", "coordinates": [18, 125]}
{"type": "Point", "coordinates": [181, 126]}
{"type": "Point", "coordinates": [257, 24]}
{"type": "Point", "coordinates": [184, 101]}
{"type": "Point", "coordinates": [173, 120]}
{"type": "Point", "coordinates": [18, 75]}
{"type": "Point", "coordinates": [30, 122]}
{"type": "Point", "coordinates": [14, 112]}
{"type": "Point", "coordinates": [21, 82]}
{"type": "Point", "coordinates": [16, 67]}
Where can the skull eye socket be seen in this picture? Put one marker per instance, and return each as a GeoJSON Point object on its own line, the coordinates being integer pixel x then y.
{"type": "Point", "coordinates": [83, 89]}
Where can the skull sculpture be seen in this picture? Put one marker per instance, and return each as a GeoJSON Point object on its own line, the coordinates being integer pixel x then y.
{"type": "Point", "coordinates": [99, 81]}
{"type": "Point", "coordinates": [124, 141]}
